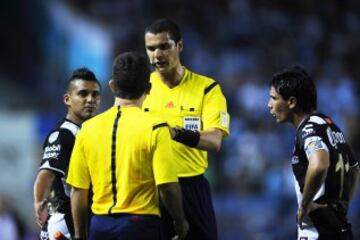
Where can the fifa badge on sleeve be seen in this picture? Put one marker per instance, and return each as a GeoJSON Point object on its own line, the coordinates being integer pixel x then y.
{"type": "Point", "coordinates": [224, 119]}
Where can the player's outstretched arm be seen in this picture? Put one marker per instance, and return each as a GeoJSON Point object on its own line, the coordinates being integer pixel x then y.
{"type": "Point", "coordinates": [79, 210]}
{"type": "Point", "coordinates": [171, 196]}
{"type": "Point", "coordinates": [42, 187]}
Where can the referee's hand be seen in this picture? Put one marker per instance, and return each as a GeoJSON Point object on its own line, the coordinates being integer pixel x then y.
{"type": "Point", "coordinates": [172, 132]}
{"type": "Point", "coordinates": [181, 229]}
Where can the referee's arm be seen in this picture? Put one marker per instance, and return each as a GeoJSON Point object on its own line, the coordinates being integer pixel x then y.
{"type": "Point", "coordinates": [79, 210]}
{"type": "Point", "coordinates": [208, 140]}
{"type": "Point", "coordinates": [171, 196]}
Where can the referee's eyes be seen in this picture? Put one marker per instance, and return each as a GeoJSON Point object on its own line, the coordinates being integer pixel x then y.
{"type": "Point", "coordinates": [162, 47]}
{"type": "Point", "coordinates": [151, 49]}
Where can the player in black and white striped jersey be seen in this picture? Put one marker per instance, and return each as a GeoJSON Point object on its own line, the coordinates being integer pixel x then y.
{"type": "Point", "coordinates": [51, 193]}
{"type": "Point", "coordinates": [324, 167]}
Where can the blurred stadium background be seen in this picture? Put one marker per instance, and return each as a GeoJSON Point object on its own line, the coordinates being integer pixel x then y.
{"type": "Point", "coordinates": [240, 43]}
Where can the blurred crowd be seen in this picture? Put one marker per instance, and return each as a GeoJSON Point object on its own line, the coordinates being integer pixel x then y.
{"type": "Point", "coordinates": [240, 43]}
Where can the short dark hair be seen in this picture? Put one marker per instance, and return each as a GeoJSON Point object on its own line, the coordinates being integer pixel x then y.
{"type": "Point", "coordinates": [82, 73]}
{"type": "Point", "coordinates": [131, 73]}
{"type": "Point", "coordinates": [296, 82]}
{"type": "Point", "coordinates": [165, 25]}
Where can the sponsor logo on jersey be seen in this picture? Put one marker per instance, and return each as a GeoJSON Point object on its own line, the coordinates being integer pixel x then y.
{"type": "Point", "coordinates": [53, 148]}
{"type": "Point", "coordinates": [52, 151]}
{"type": "Point", "coordinates": [192, 123]}
{"type": "Point", "coordinates": [314, 144]}
{"type": "Point", "coordinates": [307, 130]}
{"type": "Point", "coordinates": [53, 137]}
{"type": "Point", "coordinates": [50, 155]}
{"type": "Point", "coordinates": [335, 137]}
{"type": "Point", "coordinates": [170, 105]}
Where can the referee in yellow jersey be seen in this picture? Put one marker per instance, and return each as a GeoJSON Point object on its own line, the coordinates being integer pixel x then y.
{"type": "Point", "coordinates": [195, 108]}
{"type": "Point", "coordinates": [126, 156]}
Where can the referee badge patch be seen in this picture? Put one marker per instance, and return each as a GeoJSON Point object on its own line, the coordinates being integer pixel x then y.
{"type": "Point", "coordinates": [192, 123]}
{"type": "Point", "coordinates": [224, 119]}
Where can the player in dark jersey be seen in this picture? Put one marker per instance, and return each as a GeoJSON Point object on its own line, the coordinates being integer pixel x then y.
{"type": "Point", "coordinates": [51, 193]}
{"type": "Point", "coordinates": [324, 167]}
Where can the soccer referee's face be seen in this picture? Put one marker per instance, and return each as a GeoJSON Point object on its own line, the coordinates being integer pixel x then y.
{"type": "Point", "coordinates": [278, 106]}
{"type": "Point", "coordinates": [163, 52]}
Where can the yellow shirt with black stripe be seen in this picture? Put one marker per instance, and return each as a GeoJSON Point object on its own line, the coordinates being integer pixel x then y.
{"type": "Point", "coordinates": [196, 103]}
{"type": "Point", "coordinates": [123, 153]}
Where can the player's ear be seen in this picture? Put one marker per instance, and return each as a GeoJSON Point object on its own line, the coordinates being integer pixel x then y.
{"type": "Point", "coordinates": [292, 101]}
{"type": "Point", "coordinates": [67, 99]}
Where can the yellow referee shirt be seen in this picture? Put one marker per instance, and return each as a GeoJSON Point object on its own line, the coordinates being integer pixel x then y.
{"type": "Point", "coordinates": [124, 153]}
{"type": "Point", "coordinates": [196, 103]}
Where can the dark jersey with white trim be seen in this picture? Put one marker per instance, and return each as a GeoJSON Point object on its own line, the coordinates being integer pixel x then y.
{"type": "Point", "coordinates": [57, 152]}
{"type": "Point", "coordinates": [316, 132]}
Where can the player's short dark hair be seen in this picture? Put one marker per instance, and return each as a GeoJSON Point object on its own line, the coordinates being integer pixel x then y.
{"type": "Point", "coordinates": [165, 25]}
{"type": "Point", "coordinates": [131, 73]}
{"type": "Point", "coordinates": [296, 82]}
{"type": "Point", "coordinates": [84, 74]}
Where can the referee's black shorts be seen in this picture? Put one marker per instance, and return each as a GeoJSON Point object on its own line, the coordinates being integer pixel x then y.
{"type": "Point", "coordinates": [198, 208]}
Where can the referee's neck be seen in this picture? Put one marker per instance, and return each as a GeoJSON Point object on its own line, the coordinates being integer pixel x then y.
{"type": "Point", "coordinates": [173, 77]}
{"type": "Point", "coordinates": [122, 102]}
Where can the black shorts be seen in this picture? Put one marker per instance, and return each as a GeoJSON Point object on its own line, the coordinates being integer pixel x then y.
{"type": "Point", "coordinates": [331, 223]}
{"type": "Point", "coordinates": [124, 227]}
{"type": "Point", "coordinates": [198, 208]}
